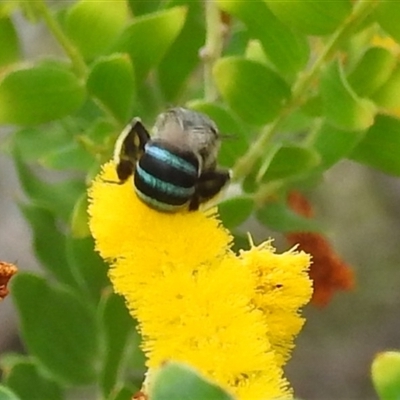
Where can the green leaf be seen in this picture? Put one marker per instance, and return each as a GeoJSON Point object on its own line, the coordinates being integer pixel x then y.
{"type": "Point", "coordinates": [174, 69]}
{"type": "Point", "coordinates": [289, 54]}
{"type": "Point", "coordinates": [255, 52]}
{"type": "Point", "coordinates": [94, 26]}
{"type": "Point", "coordinates": [60, 146]}
{"type": "Point", "coordinates": [140, 7]}
{"type": "Point", "coordinates": [235, 211]}
{"type": "Point", "coordinates": [388, 95]}
{"type": "Point", "coordinates": [380, 147]}
{"type": "Point", "coordinates": [372, 71]}
{"type": "Point", "coordinates": [58, 329]}
{"type": "Point", "coordinates": [333, 144]}
{"type": "Point", "coordinates": [58, 198]}
{"type": "Point", "coordinates": [312, 17]}
{"type": "Point", "coordinates": [177, 381]}
{"type": "Point", "coordinates": [79, 220]}
{"type": "Point", "coordinates": [29, 383]}
{"type": "Point", "coordinates": [240, 242]}
{"type": "Point", "coordinates": [125, 393]}
{"type": "Point", "coordinates": [148, 38]}
{"type": "Point", "coordinates": [24, 142]}
{"type": "Point", "coordinates": [71, 156]}
{"type": "Point", "coordinates": [112, 81]}
{"type": "Point", "coordinates": [236, 141]}
{"type": "Point", "coordinates": [238, 41]}
{"type": "Point", "coordinates": [254, 92]}
{"type": "Point", "coordinates": [48, 243]}
{"type": "Point", "coordinates": [388, 16]}
{"type": "Point", "coordinates": [10, 50]}
{"type": "Point", "coordinates": [117, 325]}
{"type": "Point", "coordinates": [88, 268]}
{"type": "Point", "coordinates": [279, 217]}
{"type": "Point", "coordinates": [386, 375]}
{"type": "Point", "coordinates": [343, 108]}
{"type": "Point", "coordinates": [288, 161]}
{"type": "Point", "coordinates": [39, 93]}
{"type": "Point", "coordinates": [7, 394]}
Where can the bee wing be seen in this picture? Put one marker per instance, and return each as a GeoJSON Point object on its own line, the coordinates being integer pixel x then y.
{"type": "Point", "coordinates": [129, 148]}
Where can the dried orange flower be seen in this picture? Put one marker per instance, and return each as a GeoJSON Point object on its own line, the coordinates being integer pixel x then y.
{"type": "Point", "coordinates": [7, 270]}
{"type": "Point", "coordinates": [328, 271]}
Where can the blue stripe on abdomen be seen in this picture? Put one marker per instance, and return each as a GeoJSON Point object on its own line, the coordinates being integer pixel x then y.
{"type": "Point", "coordinates": [158, 205]}
{"type": "Point", "coordinates": [166, 156]}
{"type": "Point", "coordinates": [159, 185]}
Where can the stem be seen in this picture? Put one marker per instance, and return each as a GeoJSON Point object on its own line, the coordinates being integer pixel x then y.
{"type": "Point", "coordinates": [299, 90]}
{"type": "Point", "coordinates": [55, 28]}
{"type": "Point", "coordinates": [212, 48]}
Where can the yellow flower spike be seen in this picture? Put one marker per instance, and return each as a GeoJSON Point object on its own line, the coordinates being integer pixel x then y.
{"type": "Point", "coordinates": [122, 224]}
{"type": "Point", "coordinates": [282, 287]}
{"type": "Point", "coordinates": [231, 317]}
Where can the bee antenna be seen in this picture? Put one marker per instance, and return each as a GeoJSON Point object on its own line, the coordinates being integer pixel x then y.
{"type": "Point", "coordinates": [228, 136]}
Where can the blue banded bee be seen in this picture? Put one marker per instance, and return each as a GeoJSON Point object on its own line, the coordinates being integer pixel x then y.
{"type": "Point", "coordinates": [176, 168]}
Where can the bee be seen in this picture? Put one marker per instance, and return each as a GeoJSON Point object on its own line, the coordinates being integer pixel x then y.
{"type": "Point", "coordinates": [176, 167]}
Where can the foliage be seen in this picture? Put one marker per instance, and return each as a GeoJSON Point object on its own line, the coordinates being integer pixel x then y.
{"type": "Point", "coordinates": [299, 85]}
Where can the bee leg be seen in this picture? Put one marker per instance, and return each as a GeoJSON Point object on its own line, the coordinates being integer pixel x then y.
{"type": "Point", "coordinates": [113, 182]}
{"type": "Point", "coordinates": [209, 184]}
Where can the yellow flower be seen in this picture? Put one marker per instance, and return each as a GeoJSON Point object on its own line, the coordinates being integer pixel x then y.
{"type": "Point", "coordinates": [231, 317]}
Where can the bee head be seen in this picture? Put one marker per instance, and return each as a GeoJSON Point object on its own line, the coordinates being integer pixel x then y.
{"type": "Point", "coordinates": [189, 130]}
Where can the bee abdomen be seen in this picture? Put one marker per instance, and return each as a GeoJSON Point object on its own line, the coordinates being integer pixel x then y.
{"type": "Point", "coordinates": [165, 179]}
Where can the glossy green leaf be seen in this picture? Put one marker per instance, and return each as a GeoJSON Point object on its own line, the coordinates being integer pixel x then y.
{"type": "Point", "coordinates": [117, 325]}
{"type": "Point", "coordinates": [148, 38]}
{"type": "Point", "coordinates": [279, 217]}
{"type": "Point", "coordinates": [235, 140]}
{"type": "Point", "coordinates": [388, 95]}
{"type": "Point", "coordinates": [88, 268]}
{"type": "Point", "coordinates": [380, 147]}
{"type": "Point", "coordinates": [240, 242]}
{"type": "Point", "coordinates": [94, 25]}
{"type": "Point", "coordinates": [48, 242]}
{"type": "Point", "coordinates": [72, 156]}
{"type": "Point", "coordinates": [343, 108]}
{"type": "Point", "coordinates": [29, 383]}
{"type": "Point", "coordinates": [125, 393]}
{"type": "Point", "coordinates": [140, 7]}
{"type": "Point", "coordinates": [112, 81]}
{"type": "Point", "coordinates": [58, 329]}
{"type": "Point", "coordinates": [7, 394]}
{"type": "Point", "coordinates": [254, 92]}
{"type": "Point", "coordinates": [386, 375]}
{"type": "Point", "coordinates": [39, 93]}
{"type": "Point", "coordinates": [388, 16]}
{"type": "Point", "coordinates": [24, 142]}
{"type": "Point", "coordinates": [289, 161]}
{"type": "Point", "coordinates": [289, 54]}
{"type": "Point", "coordinates": [174, 69]}
{"type": "Point", "coordinates": [235, 211]}
{"type": "Point", "coordinates": [372, 71]}
{"type": "Point", "coordinates": [79, 220]}
{"type": "Point", "coordinates": [238, 41]}
{"type": "Point", "coordinates": [333, 144]}
{"type": "Point", "coordinates": [176, 380]}
{"type": "Point", "coordinates": [60, 146]}
{"type": "Point", "coordinates": [312, 17]}
{"type": "Point", "coordinates": [255, 52]}
{"type": "Point", "coordinates": [59, 198]}
{"type": "Point", "coordinates": [10, 49]}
